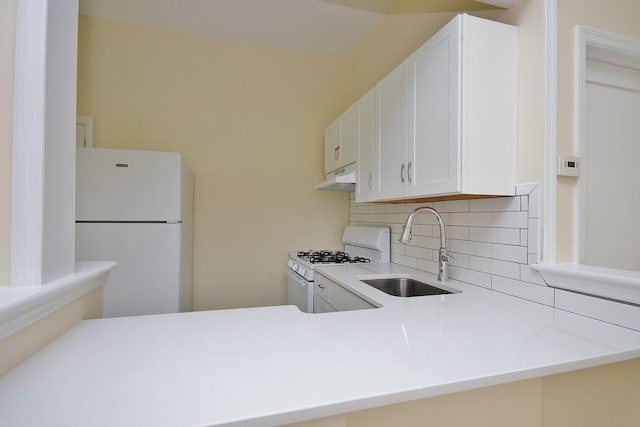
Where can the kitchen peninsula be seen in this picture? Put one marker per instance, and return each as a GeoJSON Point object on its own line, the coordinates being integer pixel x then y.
{"type": "Point", "coordinates": [277, 365]}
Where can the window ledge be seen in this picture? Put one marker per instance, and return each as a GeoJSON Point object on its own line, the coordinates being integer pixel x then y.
{"type": "Point", "coordinates": [619, 285]}
{"type": "Point", "coordinates": [22, 306]}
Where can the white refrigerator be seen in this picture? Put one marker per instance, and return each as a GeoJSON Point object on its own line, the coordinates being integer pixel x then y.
{"type": "Point", "coordinates": [136, 208]}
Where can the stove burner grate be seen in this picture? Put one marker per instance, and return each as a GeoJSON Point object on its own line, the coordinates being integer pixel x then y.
{"type": "Point", "coordinates": [330, 257]}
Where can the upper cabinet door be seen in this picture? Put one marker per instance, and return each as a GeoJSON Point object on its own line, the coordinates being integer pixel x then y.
{"type": "Point", "coordinates": [393, 107]}
{"type": "Point", "coordinates": [366, 147]}
{"type": "Point", "coordinates": [348, 136]}
{"type": "Point", "coordinates": [332, 146]}
{"type": "Point", "coordinates": [340, 139]}
{"type": "Point", "coordinates": [489, 106]}
{"type": "Point", "coordinates": [433, 164]}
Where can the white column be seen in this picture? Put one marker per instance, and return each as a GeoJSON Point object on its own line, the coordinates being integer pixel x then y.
{"type": "Point", "coordinates": [43, 177]}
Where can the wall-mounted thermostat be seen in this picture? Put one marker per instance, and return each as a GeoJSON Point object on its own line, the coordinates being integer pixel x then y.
{"type": "Point", "coordinates": [568, 165]}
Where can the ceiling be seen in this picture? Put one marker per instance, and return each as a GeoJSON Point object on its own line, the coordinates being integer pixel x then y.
{"type": "Point", "coordinates": [316, 26]}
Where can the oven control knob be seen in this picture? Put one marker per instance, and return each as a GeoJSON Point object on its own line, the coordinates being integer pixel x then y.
{"type": "Point", "coordinates": [290, 263]}
{"type": "Point", "coordinates": [302, 271]}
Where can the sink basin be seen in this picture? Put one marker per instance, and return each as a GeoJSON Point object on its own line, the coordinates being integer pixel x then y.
{"type": "Point", "coordinates": [404, 287]}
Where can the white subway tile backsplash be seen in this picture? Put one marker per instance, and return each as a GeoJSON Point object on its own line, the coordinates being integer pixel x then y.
{"type": "Point", "coordinates": [422, 230]}
{"type": "Point", "coordinates": [397, 248]}
{"type": "Point", "coordinates": [509, 236]}
{"type": "Point", "coordinates": [386, 218]}
{"type": "Point", "coordinates": [470, 276]}
{"type": "Point", "coordinates": [510, 219]}
{"type": "Point", "coordinates": [378, 209]}
{"type": "Point", "coordinates": [394, 208]}
{"type": "Point", "coordinates": [374, 219]}
{"type": "Point", "coordinates": [399, 218]}
{"type": "Point", "coordinates": [418, 252]}
{"type": "Point", "coordinates": [428, 218]}
{"type": "Point", "coordinates": [613, 312]}
{"type": "Point", "coordinates": [358, 218]}
{"type": "Point", "coordinates": [428, 242]}
{"type": "Point", "coordinates": [534, 203]}
{"type": "Point", "coordinates": [357, 209]}
{"type": "Point", "coordinates": [404, 260]}
{"type": "Point", "coordinates": [452, 206]}
{"type": "Point", "coordinates": [474, 219]}
{"type": "Point", "coordinates": [453, 232]}
{"type": "Point", "coordinates": [533, 242]}
{"type": "Point", "coordinates": [410, 207]}
{"type": "Point", "coordinates": [470, 248]}
{"type": "Point", "coordinates": [495, 205]}
{"type": "Point", "coordinates": [527, 188]}
{"type": "Point", "coordinates": [494, 266]}
{"type": "Point", "coordinates": [458, 260]}
{"type": "Point", "coordinates": [428, 266]}
{"type": "Point", "coordinates": [510, 253]}
{"type": "Point", "coordinates": [396, 228]}
{"type": "Point", "coordinates": [528, 274]}
{"type": "Point", "coordinates": [539, 294]}
{"type": "Point", "coordinates": [493, 242]}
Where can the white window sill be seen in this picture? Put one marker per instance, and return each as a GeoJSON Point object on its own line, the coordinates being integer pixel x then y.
{"type": "Point", "coordinates": [619, 285]}
{"type": "Point", "coordinates": [22, 306]}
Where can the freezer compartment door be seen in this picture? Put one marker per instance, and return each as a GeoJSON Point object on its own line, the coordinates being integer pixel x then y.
{"type": "Point", "coordinates": [147, 277]}
{"type": "Point", "coordinates": [127, 185]}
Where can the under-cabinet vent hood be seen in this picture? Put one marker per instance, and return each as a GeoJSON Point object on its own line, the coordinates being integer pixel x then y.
{"type": "Point", "coordinates": [343, 179]}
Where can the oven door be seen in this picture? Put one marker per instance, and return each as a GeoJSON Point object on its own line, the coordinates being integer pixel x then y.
{"type": "Point", "coordinates": [299, 292]}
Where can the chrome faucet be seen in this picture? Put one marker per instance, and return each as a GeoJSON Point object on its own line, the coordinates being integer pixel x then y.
{"type": "Point", "coordinates": [443, 257]}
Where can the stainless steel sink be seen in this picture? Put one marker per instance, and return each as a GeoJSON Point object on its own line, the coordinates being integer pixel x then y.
{"type": "Point", "coordinates": [404, 287]}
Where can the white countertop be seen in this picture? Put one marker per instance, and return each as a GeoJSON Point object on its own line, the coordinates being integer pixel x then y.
{"type": "Point", "coordinates": [274, 365]}
{"type": "Point", "coordinates": [22, 306]}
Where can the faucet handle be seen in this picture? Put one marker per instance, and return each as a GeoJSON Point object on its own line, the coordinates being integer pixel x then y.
{"type": "Point", "coordinates": [444, 255]}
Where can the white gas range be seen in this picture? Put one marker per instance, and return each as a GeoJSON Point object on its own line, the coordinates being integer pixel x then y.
{"type": "Point", "coordinates": [363, 244]}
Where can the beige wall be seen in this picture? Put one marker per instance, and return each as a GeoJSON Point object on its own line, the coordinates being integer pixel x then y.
{"type": "Point", "coordinates": [529, 17]}
{"type": "Point", "coordinates": [22, 344]}
{"type": "Point", "coordinates": [603, 396]}
{"type": "Point", "coordinates": [249, 121]}
{"type": "Point", "coordinates": [7, 41]}
{"type": "Point", "coordinates": [390, 44]}
{"type": "Point", "coordinates": [596, 397]}
{"type": "Point", "coordinates": [619, 17]}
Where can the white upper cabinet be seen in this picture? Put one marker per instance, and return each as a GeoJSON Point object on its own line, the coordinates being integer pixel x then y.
{"type": "Point", "coordinates": [340, 139]}
{"type": "Point", "coordinates": [366, 147]}
{"type": "Point", "coordinates": [447, 115]}
{"type": "Point", "coordinates": [331, 146]}
{"type": "Point", "coordinates": [393, 108]}
{"type": "Point", "coordinates": [434, 79]}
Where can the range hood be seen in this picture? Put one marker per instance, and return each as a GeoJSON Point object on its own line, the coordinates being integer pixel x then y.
{"type": "Point", "coordinates": [343, 179]}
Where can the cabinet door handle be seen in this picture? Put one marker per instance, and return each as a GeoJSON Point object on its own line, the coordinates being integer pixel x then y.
{"type": "Point", "coordinates": [409, 171]}
{"type": "Point", "coordinates": [336, 153]}
{"type": "Point", "coordinates": [370, 181]}
{"type": "Point", "coordinates": [402, 173]}
{"type": "Point", "coordinates": [320, 286]}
